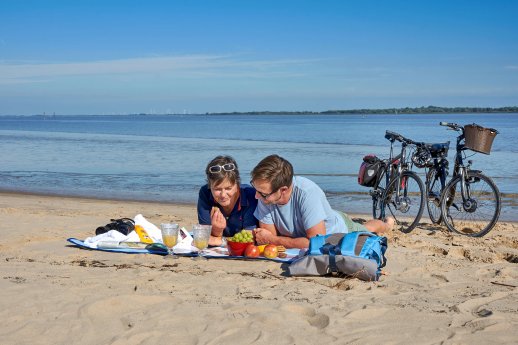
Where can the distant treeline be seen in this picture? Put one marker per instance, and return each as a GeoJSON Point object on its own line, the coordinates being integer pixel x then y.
{"type": "Point", "coordinates": [421, 110]}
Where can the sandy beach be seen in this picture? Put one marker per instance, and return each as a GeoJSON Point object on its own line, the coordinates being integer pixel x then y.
{"type": "Point", "coordinates": [438, 288]}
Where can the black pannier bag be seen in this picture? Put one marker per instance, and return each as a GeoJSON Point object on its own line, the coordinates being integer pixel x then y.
{"type": "Point", "coordinates": [370, 170]}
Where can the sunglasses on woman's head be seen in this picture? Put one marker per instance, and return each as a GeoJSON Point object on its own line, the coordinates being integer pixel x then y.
{"type": "Point", "coordinates": [226, 167]}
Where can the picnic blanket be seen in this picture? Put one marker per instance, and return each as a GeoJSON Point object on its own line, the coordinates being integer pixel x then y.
{"type": "Point", "coordinates": [209, 253]}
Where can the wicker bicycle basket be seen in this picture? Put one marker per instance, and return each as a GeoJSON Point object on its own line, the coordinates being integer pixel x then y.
{"type": "Point", "coordinates": [479, 138]}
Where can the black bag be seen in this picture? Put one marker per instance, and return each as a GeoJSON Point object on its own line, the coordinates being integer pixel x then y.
{"type": "Point", "coordinates": [370, 170]}
{"type": "Point", "coordinates": [122, 225]}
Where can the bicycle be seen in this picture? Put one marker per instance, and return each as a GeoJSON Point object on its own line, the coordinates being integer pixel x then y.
{"type": "Point", "coordinates": [396, 188]}
{"type": "Point", "coordinates": [469, 204]}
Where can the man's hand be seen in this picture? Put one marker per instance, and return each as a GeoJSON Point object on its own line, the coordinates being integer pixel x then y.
{"type": "Point", "coordinates": [264, 236]}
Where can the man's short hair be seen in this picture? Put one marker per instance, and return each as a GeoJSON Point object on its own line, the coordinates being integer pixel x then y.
{"type": "Point", "coordinates": [274, 169]}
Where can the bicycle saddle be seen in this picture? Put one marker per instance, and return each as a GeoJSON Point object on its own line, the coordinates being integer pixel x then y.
{"type": "Point", "coordinates": [389, 135]}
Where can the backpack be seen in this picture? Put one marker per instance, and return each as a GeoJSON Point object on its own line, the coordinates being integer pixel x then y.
{"type": "Point", "coordinates": [357, 254]}
{"type": "Point", "coordinates": [370, 171]}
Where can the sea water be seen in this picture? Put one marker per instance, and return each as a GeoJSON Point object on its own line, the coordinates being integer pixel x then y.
{"type": "Point", "coordinates": [163, 157]}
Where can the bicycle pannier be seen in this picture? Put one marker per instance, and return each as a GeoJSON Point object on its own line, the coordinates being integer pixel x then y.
{"type": "Point", "coordinates": [370, 170]}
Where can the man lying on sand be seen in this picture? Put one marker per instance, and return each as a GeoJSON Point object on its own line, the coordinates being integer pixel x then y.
{"type": "Point", "coordinates": [292, 209]}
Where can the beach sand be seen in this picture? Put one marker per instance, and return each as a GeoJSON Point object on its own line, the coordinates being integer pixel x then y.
{"type": "Point", "coordinates": [438, 288]}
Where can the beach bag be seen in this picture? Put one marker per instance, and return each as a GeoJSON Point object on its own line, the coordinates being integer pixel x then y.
{"type": "Point", "coordinates": [356, 254]}
{"type": "Point", "coordinates": [370, 170]}
{"type": "Point", "coordinates": [122, 225]}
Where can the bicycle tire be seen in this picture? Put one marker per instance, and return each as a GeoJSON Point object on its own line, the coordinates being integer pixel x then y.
{"type": "Point", "coordinates": [477, 216]}
{"type": "Point", "coordinates": [409, 212]}
{"type": "Point", "coordinates": [433, 196]}
{"type": "Point", "coordinates": [376, 208]}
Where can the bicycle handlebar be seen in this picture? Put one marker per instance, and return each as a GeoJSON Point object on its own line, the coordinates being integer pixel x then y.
{"type": "Point", "coordinates": [392, 136]}
{"type": "Point", "coordinates": [452, 125]}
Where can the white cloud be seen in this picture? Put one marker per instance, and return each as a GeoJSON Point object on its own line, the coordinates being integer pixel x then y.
{"type": "Point", "coordinates": [512, 67]}
{"type": "Point", "coordinates": [193, 66]}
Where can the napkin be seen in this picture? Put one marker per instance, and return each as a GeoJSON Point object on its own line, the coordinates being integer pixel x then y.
{"type": "Point", "coordinates": [184, 245]}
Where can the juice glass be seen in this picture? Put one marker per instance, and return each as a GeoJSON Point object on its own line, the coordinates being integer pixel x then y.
{"type": "Point", "coordinates": [201, 236]}
{"type": "Point", "coordinates": [170, 237]}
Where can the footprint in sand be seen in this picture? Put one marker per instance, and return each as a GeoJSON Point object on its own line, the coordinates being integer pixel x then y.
{"type": "Point", "coordinates": [475, 314]}
{"type": "Point", "coordinates": [100, 312]}
{"type": "Point", "coordinates": [457, 252]}
{"type": "Point", "coordinates": [315, 319]}
{"type": "Point", "coordinates": [319, 321]}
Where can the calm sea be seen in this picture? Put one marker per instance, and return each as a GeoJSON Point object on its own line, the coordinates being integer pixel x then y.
{"type": "Point", "coordinates": [162, 158]}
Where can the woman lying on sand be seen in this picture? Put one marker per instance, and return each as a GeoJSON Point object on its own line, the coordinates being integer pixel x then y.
{"type": "Point", "coordinates": [224, 202]}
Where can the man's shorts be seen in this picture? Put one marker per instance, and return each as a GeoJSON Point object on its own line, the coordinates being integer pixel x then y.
{"type": "Point", "coordinates": [352, 226]}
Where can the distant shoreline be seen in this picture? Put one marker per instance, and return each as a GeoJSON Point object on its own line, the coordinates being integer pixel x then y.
{"type": "Point", "coordinates": [386, 111]}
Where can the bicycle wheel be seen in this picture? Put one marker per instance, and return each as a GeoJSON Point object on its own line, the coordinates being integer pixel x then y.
{"type": "Point", "coordinates": [475, 215]}
{"type": "Point", "coordinates": [407, 207]}
{"type": "Point", "coordinates": [433, 196]}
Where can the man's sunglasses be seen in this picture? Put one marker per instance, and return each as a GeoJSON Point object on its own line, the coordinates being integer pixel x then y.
{"type": "Point", "coordinates": [264, 196]}
{"type": "Point", "coordinates": [226, 167]}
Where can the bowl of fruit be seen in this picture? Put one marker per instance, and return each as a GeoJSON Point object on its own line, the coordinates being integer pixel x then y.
{"type": "Point", "coordinates": [237, 244]}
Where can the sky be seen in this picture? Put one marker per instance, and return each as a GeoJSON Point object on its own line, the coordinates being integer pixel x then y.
{"type": "Point", "coordinates": [195, 56]}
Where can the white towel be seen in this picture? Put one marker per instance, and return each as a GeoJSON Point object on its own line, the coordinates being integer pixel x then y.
{"type": "Point", "coordinates": [112, 235]}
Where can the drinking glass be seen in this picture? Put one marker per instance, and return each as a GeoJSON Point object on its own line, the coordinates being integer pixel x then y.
{"type": "Point", "coordinates": [170, 237]}
{"type": "Point", "coordinates": [201, 236]}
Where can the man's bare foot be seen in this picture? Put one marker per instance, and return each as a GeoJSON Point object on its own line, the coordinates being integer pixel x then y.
{"type": "Point", "coordinates": [389, 221]}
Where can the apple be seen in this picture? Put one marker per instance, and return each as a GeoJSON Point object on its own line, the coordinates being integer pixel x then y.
{"type": "Point", "coordinates": [251, 251]}
{"type": "Point", "coordinates": [270, 251]}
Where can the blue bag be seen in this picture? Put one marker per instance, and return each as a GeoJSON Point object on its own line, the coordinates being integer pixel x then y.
{"type": "Point", "coordinates": [359, 254]}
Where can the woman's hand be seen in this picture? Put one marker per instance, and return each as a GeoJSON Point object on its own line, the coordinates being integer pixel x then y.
{"type": "Point", "coordinates": [215, 241]}
{"type": "Point", "coordinates": [218, 222]}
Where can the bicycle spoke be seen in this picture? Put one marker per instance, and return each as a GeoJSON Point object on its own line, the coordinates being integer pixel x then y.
{"type": "Point", "coordinates": [406, 207]}
{"type": "Point", "coordinates": [477, 212]}
{"type": "Point", "coordinates": [433, 196]}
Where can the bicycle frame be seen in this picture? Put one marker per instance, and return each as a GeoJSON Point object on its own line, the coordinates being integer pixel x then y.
{"type": "Point", "coordinates": [402, 194]}
{"type": "Point", "coordinates": [462, 170]}
{"type": "Point", "coordinates": [441, 165]}
{"type": "Point", "coordinates": [390, 173]}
